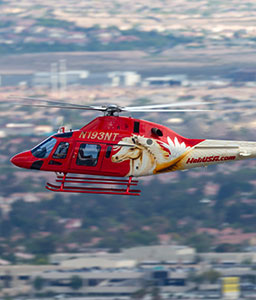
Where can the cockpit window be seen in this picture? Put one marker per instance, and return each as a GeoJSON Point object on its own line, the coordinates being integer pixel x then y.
{"type": "Point", "coordinates": [61, 151]}
{"type": "Point", "coordinates": [44, 149]}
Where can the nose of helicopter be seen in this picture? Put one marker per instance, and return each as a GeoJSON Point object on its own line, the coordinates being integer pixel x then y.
{"type": "Point", "coordinates": [22, 160]}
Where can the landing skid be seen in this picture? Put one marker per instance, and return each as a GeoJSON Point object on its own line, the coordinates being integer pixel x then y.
{"type": "Point", "coordinates": [79, 184]}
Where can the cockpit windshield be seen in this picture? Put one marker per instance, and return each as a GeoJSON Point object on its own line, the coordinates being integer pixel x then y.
{"type": "Point", "coordinates": [44, 149]}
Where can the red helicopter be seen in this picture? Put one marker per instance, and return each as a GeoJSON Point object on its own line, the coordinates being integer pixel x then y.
{"type": "Point", "coordinates": [119, 149]}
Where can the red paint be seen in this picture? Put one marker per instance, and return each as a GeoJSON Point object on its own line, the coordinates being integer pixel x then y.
{"type": "Point", "coordinates": [23, 160]}
{"type": "Point", "coordinates": [103, 132]}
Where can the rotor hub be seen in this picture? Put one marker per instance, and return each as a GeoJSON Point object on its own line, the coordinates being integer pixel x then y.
{"type": "Point", "coordinates": [113, 109]}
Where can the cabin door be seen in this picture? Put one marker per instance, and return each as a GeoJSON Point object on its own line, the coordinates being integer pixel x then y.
{"type": "Point", "coordinates": [87, 157]}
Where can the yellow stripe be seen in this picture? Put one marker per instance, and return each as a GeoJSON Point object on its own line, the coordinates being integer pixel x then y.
{"type": "Point", "coordinates": [230, 289]}
{"type": "Point", "coordinates": [228, 280]}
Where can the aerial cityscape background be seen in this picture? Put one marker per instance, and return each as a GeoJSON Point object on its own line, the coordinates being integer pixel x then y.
{"type": "Point", "coordinates": [190, 234]}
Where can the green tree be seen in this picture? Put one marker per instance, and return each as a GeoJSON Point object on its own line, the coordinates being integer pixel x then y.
{"type": "Point", "coordinates": [40, 260]}
{"type": "Point", "coordinates": [228, 248]}
{"type": "Point", "coordinates": [202, 242]}
{"type": "Point", "coordinates": [139, 294]}
{"type": "Point", "coordinates": [194, 277]}
{"type": "Point", "coordinates": [211, 276]}
{"type": "Point", "coordinates": [76, 282]}
{"type": "Point", "coordinates": [42, 246]}
{"type": "Point", "coordinates": [38, 283]}
{"type": "Point", "coordinates": [155, 293]}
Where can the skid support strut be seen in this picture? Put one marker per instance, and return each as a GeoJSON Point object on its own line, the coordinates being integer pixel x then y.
{"type": "Point", "coordinates": [80, 184]}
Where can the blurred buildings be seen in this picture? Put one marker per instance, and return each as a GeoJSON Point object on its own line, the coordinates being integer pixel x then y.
{"type": "Point", "coordinates": [171, 269]}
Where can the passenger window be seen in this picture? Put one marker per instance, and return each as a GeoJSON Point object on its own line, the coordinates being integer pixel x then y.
{"type": "Point", "coordinates": [44, 149]}
{"type": "Point", "coordinates": [88, 155]}
{"type": "Point", "coordinates": [136, 127]}
{"type": "Point", "coordinates": [61, 151]}
{"type": "Point", "coordinates": [108, 152]}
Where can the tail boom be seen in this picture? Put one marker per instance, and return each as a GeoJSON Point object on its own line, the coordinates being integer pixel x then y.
{"type": "Point", "coordinates": [211, 152]}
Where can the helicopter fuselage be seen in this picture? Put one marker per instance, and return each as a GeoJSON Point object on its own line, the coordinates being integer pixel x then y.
{"type": "Point", "coordinates": [122, 147]}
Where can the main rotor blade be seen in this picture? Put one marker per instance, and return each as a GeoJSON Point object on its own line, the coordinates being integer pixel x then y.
{"type": "Point", "coordinates": [49, 101]}
{"type": "Point", "coordinates": [110, 109]}
{"type": "Point", "coordinates": [181, 104]}
{"type": "Point", "coordinates": [167, 110]}
{"type": "Point", "coordinates": [64, 107]}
